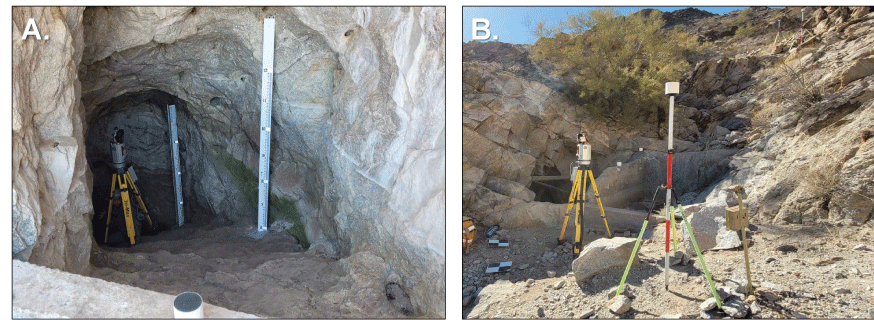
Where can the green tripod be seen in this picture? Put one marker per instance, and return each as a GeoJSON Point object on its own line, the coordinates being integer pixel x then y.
{"type": "Point", "coordinates": [691, 237]}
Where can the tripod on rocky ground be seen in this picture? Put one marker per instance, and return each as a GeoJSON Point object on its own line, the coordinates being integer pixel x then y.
{"type": "Point", "coordinates": [125, 179]}
{"type": "Point", "coordinates": [671, 89]}
{"type": "Point", "coordinates": [581, 174]}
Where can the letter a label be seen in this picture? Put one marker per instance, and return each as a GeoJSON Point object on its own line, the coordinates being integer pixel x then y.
{"type": "Point", "coordinates": [31, 30]}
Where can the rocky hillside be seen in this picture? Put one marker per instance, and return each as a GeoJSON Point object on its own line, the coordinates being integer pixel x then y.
{"type": "Point", "coordinates": [744, 116]}
{"type": "Point", "coordinates": [792, 120]}
{"type": "Point", "coordinates": [355, 123]}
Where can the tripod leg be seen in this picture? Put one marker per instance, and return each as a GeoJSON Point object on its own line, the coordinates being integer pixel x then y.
{"type": "Point", "coordinates": [581, 194]}
{"type": "Point", "coordinates": [109, 208]}
{"type": "Point", "coordinates": [747, 260]}
{"type": "Point", "coordinates": [136, 191]}
{"type": "Point", "coordinates": [631, 258]}
{"type": "Point", "coordinates": [139, 198]}
{"type": "Point", "coordinates": [600, 206]}
{"type": "Point", "coordinates": [570, 205]}
{"type": "Point", "coordinates": [700, 257]}
{"type": "Point", "coordinates": [128, 215]}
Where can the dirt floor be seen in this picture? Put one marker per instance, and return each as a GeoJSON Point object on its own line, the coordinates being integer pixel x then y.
{"type": "Point", "coordinates": [797, 272]}
{"type": "Point", "coordinates": [269, 277]}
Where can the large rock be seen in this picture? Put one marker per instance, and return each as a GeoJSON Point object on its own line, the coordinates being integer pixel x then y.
{"type": "Point", "coordinates": [496, 160]}
{"type": "Point", "coordinates": [620, 304]}
{"type": "Point", "coordinates": [488, 303]}
{"type": "Point", "coordinates": [601, 255]}
{"type": "Point", "coordinates": [708, 224]}
{"type": "Point", "coordinates": [471, 177]}
{"type": "Point", "coordinates": [854, 201]}
{"type": "Point", "coordinates": [510, 188]}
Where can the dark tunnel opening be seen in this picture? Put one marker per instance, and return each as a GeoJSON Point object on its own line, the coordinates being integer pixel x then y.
{"type": "Point", "coordinates": [143, 117]}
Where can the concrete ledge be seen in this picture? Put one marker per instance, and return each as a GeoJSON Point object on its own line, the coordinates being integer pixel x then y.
{"type": "Point", "coordinates": [40, 291]}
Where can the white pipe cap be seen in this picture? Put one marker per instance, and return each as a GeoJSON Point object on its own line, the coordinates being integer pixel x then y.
{"type": "Point", "coordinates": [188, 305]}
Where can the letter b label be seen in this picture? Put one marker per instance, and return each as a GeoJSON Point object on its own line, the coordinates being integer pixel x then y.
{"type": "Point", "coordinates": [481, 25]}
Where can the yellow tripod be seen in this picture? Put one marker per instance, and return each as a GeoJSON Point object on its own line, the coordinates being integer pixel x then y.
{"type": "Point", "coordinates": [125, 185]}
{"type": "Point", "coordinates": [578, 197]}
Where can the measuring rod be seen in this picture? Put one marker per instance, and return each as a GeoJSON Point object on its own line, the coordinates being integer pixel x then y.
{"type": "Point", "coordinates": [671, 89]}
{"type": "Point", "coordinates": [177, 172]}
{"type": "Point", "coordinates": [266, 109]}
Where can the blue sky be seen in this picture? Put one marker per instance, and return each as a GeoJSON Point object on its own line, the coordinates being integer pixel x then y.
{"type": "Point", "coordinates": [514, 24]}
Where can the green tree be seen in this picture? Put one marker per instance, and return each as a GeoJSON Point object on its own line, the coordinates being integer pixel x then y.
{"type": "Point", "coordinates": [618, 63]}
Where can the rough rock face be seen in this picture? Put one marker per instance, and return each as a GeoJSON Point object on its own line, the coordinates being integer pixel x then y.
{"type": "Point", "coordinates": [808, 163]}
{"type": "Point", "coordinates": [358, 134]}
{"type": "Point", "coordinates": [51, 207]}
{"type": "Point", "coordinates": [602, 254]}
{"type": "Point", "coordinates": [723, 76]}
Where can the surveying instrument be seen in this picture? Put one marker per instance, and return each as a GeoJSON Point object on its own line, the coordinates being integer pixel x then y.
{"type": "Point", "coordinates": [671, 89]}
{"type": "Point", "coordinates": [125, 177]}
{"type": "Point", "coordinates": [581, 173]}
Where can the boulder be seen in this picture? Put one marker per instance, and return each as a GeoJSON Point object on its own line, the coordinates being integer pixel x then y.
{"type": "Point", "coordinates": [860, 12]}
{"type": "Point", "coordinates": [509, 188]}
{"type": "Point", "coordinates": [739, 285]}
{"type": "Point", "coordinates": [491, 208]}
{"type": "Point", "coordinates": [853, 201]}
{"type": "Point", "coordinates": [720, 132]}
{"type": "Point", "coordinates": [776, 49]}
{"type": "Point", "coordinates": [861, 68]}
{"type": "Point", "coordinates": [708, 224]}
{"type": "Point", "coordinates": [735, 122]}
{"type": "Point", "coordinates": [601, 255]}
{"type": "Point", "coordinates": [708, 304]}
{"type": "Point", "coordinates": [470, 178]}
{"type": "Point", "coordinates": [820, 15]}
{"type": "Point", "coordinates": [620, 304]}
{"type": "Point", "coordinates": [735, 307]}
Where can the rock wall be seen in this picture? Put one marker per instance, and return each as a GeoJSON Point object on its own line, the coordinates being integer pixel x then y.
{"type": "Point", "coordinates": [358, 122]}
{"type": "Point", "coordinates": [388, 137]}
{"type": "Point", "coordinates": [806, 160]}
{"type": "Point", "coordinates": [51, 203]}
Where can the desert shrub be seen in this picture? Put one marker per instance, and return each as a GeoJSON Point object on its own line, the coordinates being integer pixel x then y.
{"type": "Point", "coordinates": [618, 63]}
{"type": "Point", "coordinates": [744, 31]}
{"type": "Point", "coordinates": [797, 88]}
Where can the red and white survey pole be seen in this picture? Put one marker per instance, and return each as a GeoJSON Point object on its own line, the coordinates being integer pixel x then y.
{"type": "Point", "coordinates": [671, 89]}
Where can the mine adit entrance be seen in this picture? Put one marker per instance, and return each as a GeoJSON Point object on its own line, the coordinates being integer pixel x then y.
{"type": "Point", "coordinates": [215, 252]}
{"type": "Point", "coordinates": [143, 117]}
{"type": "Point", "coordinates": [217, 189]}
